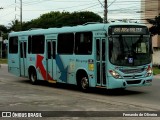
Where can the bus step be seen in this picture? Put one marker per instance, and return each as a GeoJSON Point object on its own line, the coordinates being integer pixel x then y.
{"type": "Point", "coordinates": [52, 81]}
{"type": "Point", "coordinates": [100, 86]}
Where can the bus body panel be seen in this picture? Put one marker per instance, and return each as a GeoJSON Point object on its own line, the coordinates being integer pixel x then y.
{"type": "Point", "coordinates": [13, 62]}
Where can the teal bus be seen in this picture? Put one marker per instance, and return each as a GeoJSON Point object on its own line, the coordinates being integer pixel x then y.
{"type": "Point", "coordinates": [110, 55]}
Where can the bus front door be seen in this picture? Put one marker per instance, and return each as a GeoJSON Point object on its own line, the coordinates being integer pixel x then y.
{"type": "Point", "coordinates": [50, 60]}
{"type": "Point", "coordinates": [101, 62]}
{"type": "Point", "coordinates": [23, 47]}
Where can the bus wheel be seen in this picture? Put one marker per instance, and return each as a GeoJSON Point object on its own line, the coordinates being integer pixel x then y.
{"type": "Point", "coordinates": [33, 77]}
{"type": "Point", "coordinates": [84, 84]}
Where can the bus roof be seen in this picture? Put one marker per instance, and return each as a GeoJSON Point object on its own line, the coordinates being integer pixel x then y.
{"type": "Point", "coordinates": [68, 29]}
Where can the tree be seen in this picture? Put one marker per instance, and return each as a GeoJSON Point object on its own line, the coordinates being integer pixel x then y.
{"type": "Point", "coordinates": [59, 19]}
{"type": "Point", "coordinates": [155, 29]}
{"type": "Point", "coordinates": [3, 28]}
{"type": "Point", "coordinates": [3, 31]}
{"type": "Point", "coordinates": [15, 26]}
{"type": "Point", "coordinates": [80, 18]}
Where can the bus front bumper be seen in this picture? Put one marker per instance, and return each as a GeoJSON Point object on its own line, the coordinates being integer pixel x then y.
{"type": "Point", "coordinates": [124, 83]}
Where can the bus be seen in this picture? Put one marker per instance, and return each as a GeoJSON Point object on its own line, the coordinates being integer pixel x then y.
{"type": "Point", "coordinates": [102, 55]}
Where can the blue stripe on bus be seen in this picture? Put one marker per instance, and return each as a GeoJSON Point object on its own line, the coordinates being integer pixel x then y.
{"type": "Point", "coordinates": [63, 70]}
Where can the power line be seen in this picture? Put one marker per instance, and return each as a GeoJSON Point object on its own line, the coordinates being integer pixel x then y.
{"type": "Point", "coordinates": [101, 3]}
{"type": "Point", "coordinates": [127, 7]}
{"type": "Point", "coordinates": [60, 8]}
{"type": "Point", "coordinates": [111, 3]}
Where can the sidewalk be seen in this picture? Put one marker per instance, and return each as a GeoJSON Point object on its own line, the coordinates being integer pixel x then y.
{"type": "Point", "coordinates": [3, 65]}
{"type": "Point", "coordinates": [157, 76]}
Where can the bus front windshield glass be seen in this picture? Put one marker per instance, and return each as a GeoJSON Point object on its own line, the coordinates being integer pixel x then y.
{"type": "Point", "coordinates": [129, 50]}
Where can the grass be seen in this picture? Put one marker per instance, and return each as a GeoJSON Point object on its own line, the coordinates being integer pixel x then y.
{"type": "Point", "coordinates": [3, 61]}
{"type": "Point", "coordinates": [156, 70]}
{"type": "Point", "coordinates": [156, 62]}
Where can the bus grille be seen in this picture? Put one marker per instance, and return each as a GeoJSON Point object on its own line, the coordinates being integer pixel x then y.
{"type": "Point", "coordinates": [134, 82]}
{"type": "Point", "coordinates": [132, 76]}
{"type": "Point", "coordinates": [130, 71]}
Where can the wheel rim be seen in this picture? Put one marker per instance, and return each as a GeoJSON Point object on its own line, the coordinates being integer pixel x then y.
{"type": "Point", "coordinates": [33, 78]}
{"type": "Point", "coordinates": [84, 83]}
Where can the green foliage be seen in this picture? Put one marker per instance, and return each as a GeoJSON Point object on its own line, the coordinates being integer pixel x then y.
{"type": "Point", "coordinates": [156, 70]}
{"type": "Point", "coordinates": [155, 29]}
{"type": "Point", "coordinates": [4, 31]}
{"type": "Point", "coordinates": [53, 19]}
{"type": "Point", "coordinates": [15, 26]}
{"type": "Point", "coordinates": [3, 28]}
{"type": "Point", "coordinates": [59, 19]}
{"type": "Point", "coordinates": [3, 61]}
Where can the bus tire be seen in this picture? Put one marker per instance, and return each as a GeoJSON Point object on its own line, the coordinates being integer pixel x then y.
{"type": "Point", "coordinates": [33, 76]}
{"type": "Point", "coordinates": [83, 81]}
{"type": "Point", "coordinates": [84, 84]}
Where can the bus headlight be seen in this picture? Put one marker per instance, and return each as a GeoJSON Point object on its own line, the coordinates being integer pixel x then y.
{"type": "Point", "coordinates": [115, 74]}
{"type": "Point", "coordinates": [149, 71]}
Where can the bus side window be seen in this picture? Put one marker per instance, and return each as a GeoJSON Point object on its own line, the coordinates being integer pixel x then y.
{"type": "Point", "coordinates": [13, 45]}
{"type": "Point", "coordinates": [98, 49]}
{"type": "Point", "coordinates": [54, 49]}
{"type": "Point", "coordinates": [29, 44]}
{"type": "Point", "coordinates": [49, 50]}
{"type": "Point", "coordinates": [65, 43]}
{"type": "Point", "coordinates": [83, 43]}
{"type": "Point", "coordinates": [23, 49]}
{"type": "Point", "coordinates": [36, 44]}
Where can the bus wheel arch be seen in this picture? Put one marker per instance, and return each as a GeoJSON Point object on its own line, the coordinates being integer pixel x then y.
{"type": "Point", "coordinates": [82, 80]}
{"type": "Point", "coordinates": [32, 75]}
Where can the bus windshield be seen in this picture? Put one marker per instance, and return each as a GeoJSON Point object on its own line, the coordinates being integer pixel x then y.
{"type": "Point", "coordinates": [129, 50]}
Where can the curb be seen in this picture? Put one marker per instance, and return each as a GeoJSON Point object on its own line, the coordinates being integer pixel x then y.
{"type": "Point", "coordinates": [1, 65]}
{"type": "Point", "coordinates": [157, 76]}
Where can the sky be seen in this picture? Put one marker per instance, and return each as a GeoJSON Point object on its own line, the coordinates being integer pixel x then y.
{"type": "Point", "coordinates": [32, 9]}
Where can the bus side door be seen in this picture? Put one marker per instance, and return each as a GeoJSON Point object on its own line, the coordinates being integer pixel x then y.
{"type": "Point", "coordinates": [101, 61]}
{"type": "Point", "coordinates": [23, 61]}
{"type": "Point", "coordinates": [50, 60]}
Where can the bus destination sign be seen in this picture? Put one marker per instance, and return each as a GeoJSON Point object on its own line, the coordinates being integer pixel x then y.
{"type": "Point", "coordinates": [135, 30]}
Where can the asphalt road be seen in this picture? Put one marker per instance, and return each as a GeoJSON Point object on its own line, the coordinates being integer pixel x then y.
{"type": "Point", "coordinates": [17, 94]}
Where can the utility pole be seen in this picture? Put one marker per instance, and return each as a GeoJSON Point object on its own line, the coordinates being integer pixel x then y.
{"type": "Point", "coordinates": [21, 13]}
{"type": "Point", "coordinates": [105, 11]}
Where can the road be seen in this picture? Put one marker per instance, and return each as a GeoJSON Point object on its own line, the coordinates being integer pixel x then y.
{"type": "Point", "coordinates": [17, 94]}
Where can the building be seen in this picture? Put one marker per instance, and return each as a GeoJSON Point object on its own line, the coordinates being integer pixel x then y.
{"type": "Point", "coordinates": [150, 9]}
